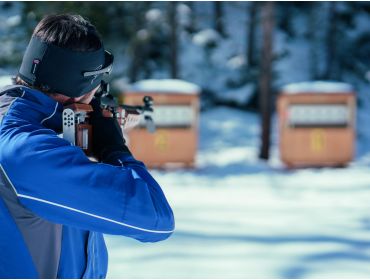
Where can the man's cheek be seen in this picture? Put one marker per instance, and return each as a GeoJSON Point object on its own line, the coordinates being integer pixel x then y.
{"type": "Point", "coordinates": [86, 99]}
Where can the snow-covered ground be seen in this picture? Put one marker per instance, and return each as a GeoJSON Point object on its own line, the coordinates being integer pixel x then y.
{"type": "Point", "coordinates": [237, 217]}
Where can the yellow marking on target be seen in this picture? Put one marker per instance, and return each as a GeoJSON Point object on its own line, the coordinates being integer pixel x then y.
{"type": "Point", "coordinates": [318, 140]}
{"type": "Point", "coordinates": [161, 141]}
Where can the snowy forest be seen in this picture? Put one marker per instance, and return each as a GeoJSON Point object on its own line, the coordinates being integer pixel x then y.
{"type": "Point", "coordinates": [217, 45]}
{"type": "Point", "coordinates": [238, 216]}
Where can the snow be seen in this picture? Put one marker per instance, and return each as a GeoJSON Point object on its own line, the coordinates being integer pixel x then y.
{"type": "Point", "coordinates": [5, 80]}
{"type": "Point", "coordinates": [240, 95]}
{"type": "Point", "coordinates": [13, 21]}
{"type": "Point", "coordinates": [296, 57]}
{"type": "Point", "coordinates": [12, 36]}
{"type": "Point", "coordinates": [206, 37]}
{"type": "Point", "coordinates": [154, 15]}
{"type": "Point", "coordinates": [183, 15]}
{"type": "Point", "coordinates": [11, 17]}
{"type": "Point", "coordinates": [318, 87]}
{"type": "Point", "coordinates": [172, 86]}
{"type": "Point", "coordinates": [367, 75]}
{"type": "Point", "coordinates": [143, 34]}
{"type": "Point", "coordinates": [238, 217]}
{"type": "Point", "coordinates": [362, 123]}
{"type": "Point", "coordinates": [236, 62]}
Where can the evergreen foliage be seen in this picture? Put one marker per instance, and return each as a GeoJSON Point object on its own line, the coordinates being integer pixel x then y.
{"type": "Point", "coordinates": [209, 42]}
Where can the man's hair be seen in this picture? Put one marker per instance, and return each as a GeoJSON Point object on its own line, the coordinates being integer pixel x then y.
{"type": "Point", "coordinates": [66, 31]}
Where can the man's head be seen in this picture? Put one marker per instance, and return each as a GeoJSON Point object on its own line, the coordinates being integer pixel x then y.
{"type": "Point", "coordinates": [60, 43]}
{"type": "Point", "coordinates": [68, 31]}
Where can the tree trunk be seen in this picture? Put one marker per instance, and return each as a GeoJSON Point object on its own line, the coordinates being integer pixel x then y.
{"type": "Point", "coordinates": [193, 22]}
{"type": "Point", "coordinates": [331, 42]}
{"type": "Point", "coordinates": [312, 29]}
{"type": "Point", "coordinates": [266, 76]}
{"type": "Point", "coordinates": [250, 44]}
{"type": "Point", "coordinates": [173, 40]}
{"type": "Point", "coordinates": [135, 45]}
{"type": "Point", "coordinates": [218, 18]}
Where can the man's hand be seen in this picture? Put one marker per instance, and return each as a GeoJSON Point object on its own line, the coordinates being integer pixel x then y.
{"type": "Point", "coordinates": [107, 134]}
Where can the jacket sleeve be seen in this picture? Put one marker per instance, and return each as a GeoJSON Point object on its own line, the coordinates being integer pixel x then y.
{"type": "Point", "coordinates": [59, 183]}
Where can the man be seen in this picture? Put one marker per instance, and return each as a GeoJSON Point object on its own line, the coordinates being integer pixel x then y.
{"type": "Point", "coordinates": [54, 202]}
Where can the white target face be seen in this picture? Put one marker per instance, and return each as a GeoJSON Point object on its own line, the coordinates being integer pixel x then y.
{"type": "Point", "coordinates": [173, 116]}
{"type": "Point", "coordinates": [319, 115]}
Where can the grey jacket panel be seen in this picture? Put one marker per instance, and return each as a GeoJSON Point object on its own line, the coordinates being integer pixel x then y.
{"type": "Point", "coordinates": [42, 238]}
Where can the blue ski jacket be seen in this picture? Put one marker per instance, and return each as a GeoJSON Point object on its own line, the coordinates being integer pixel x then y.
{"type": "Point", "coordinates": [55, 203]}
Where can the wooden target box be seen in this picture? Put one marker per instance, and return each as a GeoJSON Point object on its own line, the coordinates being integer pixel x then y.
{"type": "Point", "coordinates": [176, 116]}
{"type": "Point", "coordinates": [317, 124]}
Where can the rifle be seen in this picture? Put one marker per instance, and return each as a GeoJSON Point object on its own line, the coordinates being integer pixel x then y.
{"type": "Point", "coordinates": [77, 128]}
